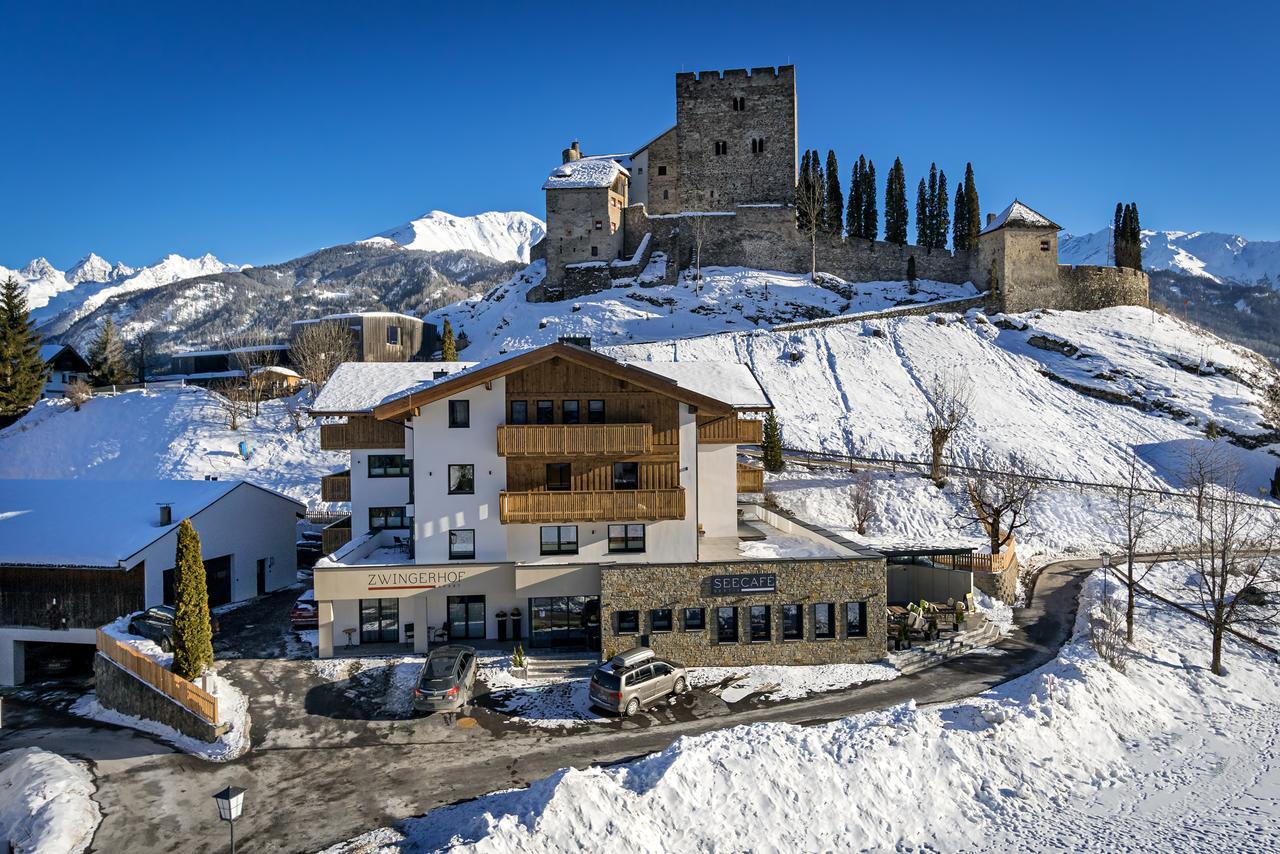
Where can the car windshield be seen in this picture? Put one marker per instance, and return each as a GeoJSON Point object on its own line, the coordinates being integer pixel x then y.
{"type": "Point", "coordinates": [607, 679]}
{"type": "Point", "coordinates": [439, 669]}
{"type": "Point", "coordinates": [160, 612]}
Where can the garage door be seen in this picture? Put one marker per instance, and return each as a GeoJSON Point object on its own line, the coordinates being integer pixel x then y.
{"type": "Point", "coordinates": [217, 572]}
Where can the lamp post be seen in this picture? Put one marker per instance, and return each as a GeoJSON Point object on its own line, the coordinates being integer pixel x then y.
{"type": "Point", "coordinates": [1106, 564]}
{"type": "Point", "coordinates": [230, 805]}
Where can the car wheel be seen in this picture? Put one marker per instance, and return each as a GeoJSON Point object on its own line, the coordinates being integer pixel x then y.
{"type": "Point", "coordinates": [166, 645]}
{"type": "Point", "coordinates": [679, 687]}
{"type": "Point", "coordinates": [632, 708]}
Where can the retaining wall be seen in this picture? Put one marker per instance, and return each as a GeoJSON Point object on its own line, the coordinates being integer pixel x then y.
{"type": "Point", "coordinates": [123, 692]}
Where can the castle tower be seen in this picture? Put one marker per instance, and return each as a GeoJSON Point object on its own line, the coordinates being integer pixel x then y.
{"type": "Point", "coordinates": [1018, 259]}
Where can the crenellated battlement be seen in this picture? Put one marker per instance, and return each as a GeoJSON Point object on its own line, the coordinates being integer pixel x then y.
{"type": "Point", "coordinates": [757, 75]}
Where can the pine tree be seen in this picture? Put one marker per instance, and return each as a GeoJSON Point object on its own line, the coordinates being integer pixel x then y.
{"type": "Point", "coordinates": [895, 205]}
{"type": "Point", "coordinates": [1135, 239]}
{"type": "Point", "coordinates": [835, 198]}
{"type": "Point", "coordinates": [973, 210]}
{"type": "Point", "coordinates": [802, 191]}
{"type": "Point", "coordinates": [448, 347]}
{"type": "Point", "coordinates": [911, 273]}
{"type": "Point", "coordinates": [959, 228]}
{"type": "Point", "coordinates": [870, 216]}
{"type": "Point", "coordinates": [771, 444]}
{"type": "Point", "coordinates": [853, 216]}
{"type": "Point", "coordinates": [931, 209]}
{"type": "Point", "coordinates": [192, 636]}
{"type": "Point", "coordinates": [942, 212]}
{"type": "Point", "coordinates": [922, 215]}
{"type": "Point", "coordinates": [1117, 236]}
{"type": "Point", "coordinates": [106, 357]}
{"type": "Point", "coordinates": [22, 371]}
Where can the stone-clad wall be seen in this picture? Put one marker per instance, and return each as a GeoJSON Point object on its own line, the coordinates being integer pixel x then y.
{"type": "Point", "coordinates": [1085, 288]}
{"type": "Point", "coordinates": [120, 690]}
{"type": "Point", "coordinates": [805, 582]}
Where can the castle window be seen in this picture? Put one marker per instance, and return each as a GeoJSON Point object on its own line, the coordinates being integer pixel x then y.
{"type": "Point", "coordinates": [595, 250]}
{"type": "Point", "coordinates": [722, 147]}
{"type": "Point", "coordinates": [1044, 246]}
{"type": "Point", "coordinates": [662, 170]}
{"type": "Point", "coordinates": [757, 146]}
{"type": "Point", "coordinates": [664, 194]}
{"type": "Point", "coordinates": [739, 104]}
{"type": "Point", "coordinates": [599, 225]}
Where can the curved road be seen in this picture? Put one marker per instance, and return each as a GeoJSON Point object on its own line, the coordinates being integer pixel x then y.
{"type": "Point", "coordinates": [314, 780]}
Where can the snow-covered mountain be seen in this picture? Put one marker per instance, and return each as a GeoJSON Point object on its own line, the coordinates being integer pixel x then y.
{"type": "Point", "coordinates": [1208, 254]}
{"type": "Point", "coordinates": [504, 235]}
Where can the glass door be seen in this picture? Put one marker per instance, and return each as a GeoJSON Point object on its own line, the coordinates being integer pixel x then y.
{"type": "Point", "coordinates": [465, 617]}
{"type": "Point", "coordinates": [379, 620]}
{"type": "Point", "coordinates": [572, 621]}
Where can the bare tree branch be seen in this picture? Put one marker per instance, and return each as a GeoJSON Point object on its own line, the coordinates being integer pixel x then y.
{"type": "Point", "coordinates": [1001, 495]}
{"type": "Point", "coordinates": [862, 504]}
{"type": "Point", "coordinates": [319, 348]}
{"type": "Point", "coordinates": [1134, 516]}
{"type": "Point", "coordinates": [949, 402]}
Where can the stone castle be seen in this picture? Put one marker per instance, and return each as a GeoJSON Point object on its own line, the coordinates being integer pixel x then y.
{"type": "Point", "coordinates": [725, 177]}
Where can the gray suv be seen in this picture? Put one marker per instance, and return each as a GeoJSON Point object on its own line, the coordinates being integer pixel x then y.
{"type": "Point", "coordinates": [447, 678]}
{"type": "Point", "coordinates": [632, 680]}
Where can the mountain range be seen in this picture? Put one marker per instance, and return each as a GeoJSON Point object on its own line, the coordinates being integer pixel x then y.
{"type": "Point", "coordinates": [1222, 258]}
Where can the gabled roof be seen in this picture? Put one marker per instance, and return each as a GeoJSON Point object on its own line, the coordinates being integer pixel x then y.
{"type": "Point", "coordinates": [50, 352]}
{"type": "Point", "coordinates": [488, 371]}
{"type": "Point", "coordinates": [1018, 215]}
{"type": "Point", "coordinates": [358, 387]}
{"type": "Point", "coordinates": [652, 141]}
{"type": "Point", "coordinates": [732, 382]}
{"type": "Point", "coordinates": [352, 315]}
{"type": "Point", "coordinates": [585, 173]}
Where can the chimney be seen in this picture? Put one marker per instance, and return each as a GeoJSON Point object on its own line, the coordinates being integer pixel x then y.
{"type": "Point", "coordinates": [991, 218]}
{"type": "Point", "coordinates": [572, 153]}
{"type": "Point", "coordinates": [166, 515]}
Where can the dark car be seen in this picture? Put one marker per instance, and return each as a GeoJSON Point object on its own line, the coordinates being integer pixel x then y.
{"type": "Point", "coordinates": [447, 678]}
{"type": "Point", "coordinates": [308, 551]}
{"type": "Point", "coordinates": [156, 624]}
{"type": "Point", "coordinates": [304, 614]}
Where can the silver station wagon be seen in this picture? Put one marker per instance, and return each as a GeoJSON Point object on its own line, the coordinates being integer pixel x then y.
{"type": "Point", "coordinates": [447, 679]}
{"type": "Point", "coordinates": [634, 680]}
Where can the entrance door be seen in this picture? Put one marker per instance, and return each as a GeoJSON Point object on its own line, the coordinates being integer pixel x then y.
{"type": "Point", "coordinates": [379, 620]}
{"type": "Point", "coordinates": [572, 621]}
{"type": "Point", "coordinates": [217, 573]}
{"type": "Point", "coordinates": [262, 575]}
{"type": "Point", "coordinates": [466, 618]}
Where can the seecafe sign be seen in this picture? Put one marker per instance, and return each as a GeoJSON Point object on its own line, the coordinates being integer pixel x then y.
{"type": "Point", "coordinates": [740, 585]}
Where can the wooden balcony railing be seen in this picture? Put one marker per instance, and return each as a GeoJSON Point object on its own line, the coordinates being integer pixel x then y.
{"type": "Point", "coordinates": [560, 440]}
{"type": "Point", "coordinates": [337, 487]}
{"type": "Point", "coordinates": [626, 505]}
{"type": "Point", "coordinates": [335, 536]}
{"type": "Point", "coordinates": [750, 478]}
{"type": "Point", "coordinates": [362, 433]}
{"type": "Point", "coordinates": [731, 430]}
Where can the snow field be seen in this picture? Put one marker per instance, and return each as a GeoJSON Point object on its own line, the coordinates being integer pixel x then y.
{"type": "Point", "coordinates": [46, 802]}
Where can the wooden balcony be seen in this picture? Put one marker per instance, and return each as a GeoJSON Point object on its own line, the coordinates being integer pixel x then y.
{"type": "Point", "coordinates": [335, 536]}
{"type": "Point", "coordinates": [562, 440]}
{"type": "Point", "coordinates": [750, 478]}
{"type": "Point", "coordinates": [360, 433]}
{"type": "Point", "coordinates": [627, 505]}
{"type": "Point", "coordinates": [731, 430]}
{"type": "Point", "coordinates": [336, 487]}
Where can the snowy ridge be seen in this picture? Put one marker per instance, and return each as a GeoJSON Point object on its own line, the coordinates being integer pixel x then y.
{"type": "Point", "coordinates": [1209, 254]}
{"type": "Point", "coordinates": [504, 235]}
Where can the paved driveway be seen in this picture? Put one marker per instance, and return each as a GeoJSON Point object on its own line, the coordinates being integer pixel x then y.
{"type": "Point", "coordinates": [315, 778]}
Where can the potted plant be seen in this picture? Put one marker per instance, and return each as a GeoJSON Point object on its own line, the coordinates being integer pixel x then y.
{"type": "Point", "coordinates": [960, 609]}
{"type": "Point", "coordinates": [519, 666]}
{"type": "Point", "coordinates": [515, 623]}
{"type": "Point", "coordinates": [904, 636]}
{"type": "Point", "coordinates": [502, 625]}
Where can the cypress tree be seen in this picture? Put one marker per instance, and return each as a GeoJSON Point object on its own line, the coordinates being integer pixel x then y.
{"type": "Point", "coordinates": [771, 444]}
{"type": "Point", "coordinates": [853, 217]}
{"type": "Point", "coordinates": [870, 217]}
{"type": "Point", "coordinates": [959, 229]}
{"type": "Point", "coordinates": [1135, 239]}
{"type": "Point", "coordinates": [943, 208]}
{"type": "Point", "coordinates": [1117, 236]}
{"type": "Point", "coordinates": [911, 271]}
{"type": "Point", "coordinates": [835, 198]}
{"type": "Point", "coordinates": [22, 371]}
{"type": "Point", "coordinates": [448, 347]}
{"type": "Point", "coordinates": [973, 210]}
{"type": "Point", "coordinates": [895, 205]}
{"type": "Point", "coordinates": [922, 215]}
{"type": "Point", "coordinates": [106, 357]}
{"type": "Point", "coordinates": [931, 209]}
{"type": "Point", "coordinates": [802, 187]}
{"type": "Point", "coordinates": [192, 636]}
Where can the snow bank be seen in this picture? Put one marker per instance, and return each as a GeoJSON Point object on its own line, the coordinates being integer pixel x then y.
{"type": "Point", "coordinates": [773, 683]}
{"type": "Point", "coordinates": [46, 802]}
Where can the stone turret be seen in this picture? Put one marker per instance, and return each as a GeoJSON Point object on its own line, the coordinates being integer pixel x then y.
{"type": "Point", "coordinates": [572, 153]}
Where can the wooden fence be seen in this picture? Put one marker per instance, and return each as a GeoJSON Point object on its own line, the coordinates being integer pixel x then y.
{"type": "Point", "coordinates": [362, 432]}
{"type": "Point", "coordinates": [185, 694]}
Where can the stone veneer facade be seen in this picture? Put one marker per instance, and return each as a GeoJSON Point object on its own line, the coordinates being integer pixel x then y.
{"type": "Point", "coordinates": [805, 582]}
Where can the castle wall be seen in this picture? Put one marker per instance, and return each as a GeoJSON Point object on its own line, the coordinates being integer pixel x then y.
{"type": "Point", "coordinates": [705, 116]}
{"type": "Point", "coordinates": [662, 176]}
{"type": "Point", "coordinates": [1086, 288]}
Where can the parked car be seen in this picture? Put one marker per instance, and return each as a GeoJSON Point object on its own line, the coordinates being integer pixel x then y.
{"type": "Point", "coordinates": [304, 614]}
{"type": "Point", "coordinates": [634, 680]}
{"type": "Point", "coordinates": [156, 625]}
{"type": "Point", "coordinates": [311, 536]}
{"type": "Point", "coordinates": [308, 551]}
{"type": "Point", "coordinates": [447, 679]}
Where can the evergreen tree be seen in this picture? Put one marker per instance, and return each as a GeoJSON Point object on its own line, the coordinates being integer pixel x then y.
{"type": "Point", "coordinates": [853, 217]}
{"type": "Point", "coordinates": [106, 357]}
{"type": "Point", "coordinates": [931, 209]}
{"type": "Point", "coordinates": [1117, 235]}
{"type": "Point", "coordinates": [802, 191]}
{"type": "Point", "coordinates": [1135, 238]}
{"type": "Point", "coordinates": [959, 228]}
{"type": "Point", "coordinates": [448, 347]}
{"type": "Point", "coordinates": [835, 198]}
{"type": "Point", "coordinates": [973, 210]}
{"type": "Point", "coordinates": [922, 215]}
{"type": "Point", "coordinates": [192, 636]}
{"type": "Point", "coordinates": [943, 212]}
{"type": "Point", "coordinates": [22, 371]}
{"type": "Point", "coordinates": [895, 205]}
{"type": "Point", "coordinates": [771, 445]}
{"type": "Point", "coordinates": [870, 216]}
{"type": "Point", "coordinates": [911, 273]}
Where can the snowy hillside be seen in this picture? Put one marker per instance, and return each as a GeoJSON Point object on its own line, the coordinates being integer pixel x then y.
{"type": "Point", "coordinates": [177, 433]}
{"type": "Point", "coordinates": [1213, 255]}
{"type": "Point", "coordinates": [505, 235]}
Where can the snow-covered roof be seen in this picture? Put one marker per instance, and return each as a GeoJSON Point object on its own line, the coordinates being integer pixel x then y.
{"type": "Point", "coordinates": [97, 523]}
{"type": "Point", "coordinates": [360, 386]}
{"type": "Point", "coordinates": [1019, 215]}
{"type": "Point", "coordinates": [49, 351]}
{"type": "Point", "coordinates": [351, 315]}
{"type": "Point", "coordinates": [587, 172]}
{"type": "Point", "coordinates": [276, 369]}
{"type": "Point", "coordinates": [257, 348]}
{"type": "Point", "coordinates": [731, 382]}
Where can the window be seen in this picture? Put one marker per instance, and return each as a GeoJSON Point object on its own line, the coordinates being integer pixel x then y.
{"type": "Point", "coordinates": [626, 475]}
{"type": "Point", "coordinates": [722, 147]}
{"type": "Point", "coordinates": [761, 630]}
{"type": "Point", "coordinates": [662, 170]}
{"type": "Point", "coordinates": [628, 622]}
{"type": "Point", "coordinates": [570, 412]}
{"type": "Point", "coordinates": [389, 465]}
{"type": "Point", "coordinates": [824, 620]}
{"type": "Point", "coordinates": [626, 538]}
{"type": "Point", "coordinates": [559, 477]}
{"type": "Point", "coordinates": [599, 225]}
{"type": "Point", "coordinates": [792, 622]}
{"type": "Point", "coordinates": [664, 194]}
{"type": "Point", "coordinates": [462, 479]}
{"type": "Point", "coordinates": [462, 544]}
{"type": "Point", "coordinates": [393, 334]}
{"type": "Point", "coordinates": [381, 518]}
{"type": "Point", "coordinates": [1044, 246]}
{"type": "Point", "coordinates": [546, 412]}
{"type": "Point", "coordinates": [559, 539]}
{"type": "Point", "coordinates": [757, 146]}
{"type": "Point", "coordinates": [519, 412]}
{"type": "Point", "coordinates": [855, 619]}
{"type": "Point", "coordinates": [660, 620]}
{"type": "Point", "coordinates": [695, 619]}
{"type": "Point", "coordinates": [727, 625]}
{"type": "Point", "coordinates": [595, 250]}
{"type": "Point", "coordinates": [739, 104]}
{"type": "Point", "coordinates": [640, 675]}
{"type": "Point", "coordinates": [459, 413]}
{"type": "Point", "coordinates": [595, 411]}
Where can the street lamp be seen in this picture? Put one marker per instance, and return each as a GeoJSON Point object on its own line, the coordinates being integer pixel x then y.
{"type": "Point", "coordinates": [230, 805]}
{"type": "Point", "coordinates": [1106, 563]}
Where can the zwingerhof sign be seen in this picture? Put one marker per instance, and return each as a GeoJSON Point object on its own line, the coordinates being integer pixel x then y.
{"type": "Point", "coordinates": [741, 585]}
{"type": "Point", "coordinates": [387, 581]}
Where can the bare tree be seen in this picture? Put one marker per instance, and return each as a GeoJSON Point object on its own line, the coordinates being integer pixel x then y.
{"type": "Point", "coordinates": [250, 353]}
{"type": "Point", "coordinates": [948, 405]}
{"type": "Point", "coordinates": [811, 210]}
{"type": "Point", "coordinates": [235, 399]}
{"type": "Point", "coordinates": [78, 392]}
{"type": "Point", "coordinates": [1236, 550]}
{"type": "Point", "coordinates": [319, 348]}
{"type": "Point", "coordinates": [1271, 402]}
{"type": "Point", "coordinates": [698, 227]}
{"type": "Point", "coordinates": [1134, 518]}
{"type": "Point", "coordinates": [295, 413]}
{"type": "Point", "coordinates": [862, 504]}
{"type": "Point", "coordinates": [1001, 494]}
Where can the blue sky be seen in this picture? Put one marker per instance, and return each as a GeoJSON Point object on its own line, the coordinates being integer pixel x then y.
{"type": "Point", "coordinates": [259, 132]}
